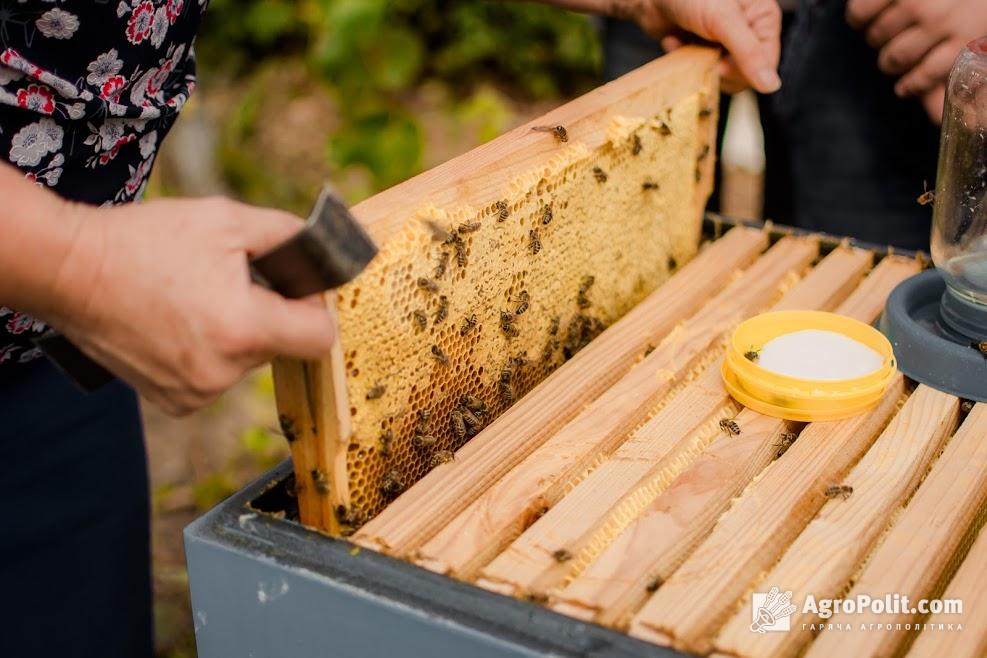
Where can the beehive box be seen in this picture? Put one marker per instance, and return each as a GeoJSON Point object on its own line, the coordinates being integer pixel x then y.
{"type": "Point", "coordinates": [606, 492]}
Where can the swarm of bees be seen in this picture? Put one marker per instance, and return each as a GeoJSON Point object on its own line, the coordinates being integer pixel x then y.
{"type": "Point", "coordinates": [559, 132]}
{"type": "Point", "coordinates": [730, 426]}
{"type": "Point", "coordinates": [785, 442]}
{"type": "Point", "coordinates": [843, 491]}
{"type": "Point", "coordinates": [376, 392]}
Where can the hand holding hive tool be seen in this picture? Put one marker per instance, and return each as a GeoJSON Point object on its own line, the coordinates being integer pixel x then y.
{"type": "Point", "coordinates": [328, 252]}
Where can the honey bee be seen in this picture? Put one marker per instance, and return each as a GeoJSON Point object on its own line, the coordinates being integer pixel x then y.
{"type": "Point", "coordinates": [534, 242]}
{"type": "Point", "coordinates": [704, 153]}
{"type": "Point", "coordinates": [458, 424]}
{"type": "Point", "coordinates": [653, 585]}
{"type": "Point", "coordinates": [559, 131]}
{"type": "Point", "coordinates": [522, 303]}
{"type": "Point", "coordinates": [927, 197]}
{"type": "Point", "coordinates": [420, 319]}
{"type": "Point", "coordinates": [553, 328]}
{"type": "Point", "coordinates": [439, 355]}
{"type": "Point", "coordinates": [581, 299]}
{"type": "Point", "coordinates": [507, 325]}
{"type": "Point", "coordinates": [706, 112]}
{"type": "Point", "coordinates": [460, 248]}
{"type": "Point", "coordinates": [966, 406]}
{"type": "Point", "coordinates": [349, 519]}
{"type": "Point", "coordinates": [440, 457]}
{"type": "Point", "coordinates": [980, 346]}
{"type": "Point", "coordinates": [699, 174]}
{"type": "Point", "coordinates": [843, 491]}
{"type": "Point", "coordinates": [752, 355]}
{"type": "Point", "coordinates": [424, 421]}
{"type": "Point", "coordinates": [468, 325]}
{"type": "Point", "coordinates": [473, 403]}
{"type": "Point", "coordinates": [443, 264]}
{"type": "Point", "coordinates": [287, 427]}
{"type": "Point", "coordinates": [636, 144]}
{"type": "Point", "coordinates": [785, 442]}
{"type": "Point", "coordinates": [376, 392]}
{"type": "Point", "coordinates": [730, 426]}
{"type": "Point", "coordinates": [600, 175]}
{"type": "Point", "coordinates": [550, 348]}
{"type": "Point", "coordinates": [443, 311]}
{"type": "Point", "coordinates": [320, 481]}
{"type": "Point", "coordinates": [664, 130]}
{"type": "Point", "coordinates": [546, 215]}
{"type": "Point", "coordinates": [503, 211]}
{"type": "Point", "coordinates": [385, 440]}
{"type": "Point", "coordinates": [468, 227]}
{"type": "Point", "coordinates": [648, 185]}
{"type": "Point", "coordinates": [649, 349]}
{"type": "Point", "coordinates": [423, 441]}
{"type": "Point", "coordinates": [561, 555]}
{"type": "Point", "coordinates": [506, 393]}
{"type": "Point", "coordinates": [438, 233]}
{"type": "Point", "coordinates": [427, 284]}
{"type": "Point", "coordinates": [470, 418]}
{"type": "Point", "coordinates": [392, 483]}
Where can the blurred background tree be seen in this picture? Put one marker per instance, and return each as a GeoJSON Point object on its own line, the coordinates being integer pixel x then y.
{"type": "Point", "coordinates": [363, 93]}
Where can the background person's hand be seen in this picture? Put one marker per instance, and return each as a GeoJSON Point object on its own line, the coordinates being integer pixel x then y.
{"type": "Point", "coordinates": [160, 294]}
{"type": "Point", "coordinates": [919, 40]}
{"type": "Point", "coordinates": [750, 30]}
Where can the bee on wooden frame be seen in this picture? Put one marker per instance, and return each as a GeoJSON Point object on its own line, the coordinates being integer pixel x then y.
{"type": "Point", "coordinates": [649, 185]}
{"type": "Point", "coordinates": [561, 555]}
{"type": "Point", "coordinates": [473, 403]}
{"type": "Point", "coordinates": [785, 442]}
{"type": "Point", "coordinates": [458, 425]}
{"type": "Point", "coordinates": [559, 132]}
{"type": "Point", "coordinates": [470, 418]}
{"type": "Point", "coordinates": [730, 426]}
{"type": "Point", "coordinates": [392, 483]}
{"type": "Point", "coordinates": [599, 175]}
{"type": "Point", "coordinates": [320, 481]}
{"type": "Point", "coordinates": [664, 130]}
{"type": "Point", "coordinates": [843, 491]}
{"type": "Point", "coordinates": [440, 457]}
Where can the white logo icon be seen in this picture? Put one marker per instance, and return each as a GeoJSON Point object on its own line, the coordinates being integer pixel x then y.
{"type": "Point", "coordinates": [770, 611]}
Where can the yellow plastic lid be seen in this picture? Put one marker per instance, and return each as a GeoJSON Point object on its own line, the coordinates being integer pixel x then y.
{"type": "Point", "coordinates": [784, 396]}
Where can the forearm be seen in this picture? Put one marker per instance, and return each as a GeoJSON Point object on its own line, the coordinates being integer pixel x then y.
{"type": "Point", "coordinates": [39, 230]}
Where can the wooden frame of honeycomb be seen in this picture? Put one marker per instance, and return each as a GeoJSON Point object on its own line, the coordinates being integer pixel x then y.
{"type": "Point", "coordinates": [612, 491]}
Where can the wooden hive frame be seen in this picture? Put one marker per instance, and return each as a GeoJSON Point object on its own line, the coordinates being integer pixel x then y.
{"type": "Point", "coordinates": [610, 494]}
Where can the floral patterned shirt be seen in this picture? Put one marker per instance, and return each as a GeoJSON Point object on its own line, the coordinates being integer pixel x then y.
{"type": "Point", "coordinates": [88, 88]}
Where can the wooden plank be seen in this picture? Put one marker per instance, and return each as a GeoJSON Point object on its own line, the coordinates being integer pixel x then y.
{"type": "Point", "coordinates": [484, 528]}
{"type": "Point", "coordinates": [691, 605]}
{"type": "Point", "coordinates": [969, 585]}
{"type": "Point", "coordinates": [827, 553]}
{"type": "Point", "coordinates": [868, 299]}
{"type": "Point", "coordinates": [653, 456]}
{"type": "Point", "coordinates": [480, 176]}
{"type": "Point", "coordinates": [311, 399]}
{"type": "Point", "coordinates": [916, 551]}
{"type": "Point", "coordinates": [420, 512]}
{"type": "Point", "coordinates": [655, 543]}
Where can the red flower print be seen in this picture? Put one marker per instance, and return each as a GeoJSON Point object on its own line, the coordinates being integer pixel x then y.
{"type": "Point", "coordinates": [19, 323]}
{"type": "Point", "coordinates": [7, 352]}
{"type": "Point", "coordinates": [8, 55]}
{"type": "Point", "coordinates": [108, 155]}
{"type": "Point", "coordinates": [173, 9]}
{"type": "Point", "coordinates": [37, 98]}
{"type": "Point", "coordinates": [141, 20]}
{"type": "Point", "coordinates": [112, 87]}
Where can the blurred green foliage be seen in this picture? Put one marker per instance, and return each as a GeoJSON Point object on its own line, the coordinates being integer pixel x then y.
{"type": "Point", "coordinates": [374, 54]}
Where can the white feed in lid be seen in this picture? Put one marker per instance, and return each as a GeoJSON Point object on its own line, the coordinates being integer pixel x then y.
{"type": "Point", "coordinates": [815, 354]}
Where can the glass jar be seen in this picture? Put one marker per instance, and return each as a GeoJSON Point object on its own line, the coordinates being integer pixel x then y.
{"type": "Point", "coordinates": [959, 228]}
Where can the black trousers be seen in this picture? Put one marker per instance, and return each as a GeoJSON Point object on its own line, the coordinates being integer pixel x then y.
{"type": "Point", "coordinates": [845, 155]}
{"type": "Point", "coordinates": [74, 522]}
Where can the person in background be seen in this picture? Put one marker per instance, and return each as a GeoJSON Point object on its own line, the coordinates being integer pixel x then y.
{"type": "Point", "coordinates": [852, 135]}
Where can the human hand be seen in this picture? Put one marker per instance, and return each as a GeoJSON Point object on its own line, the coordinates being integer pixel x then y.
{"type": "Point", "coordinates": [750, 30]}
{"type": "Point", "coordinates": [919, 39]}
{"type": "Point", "coordinates": [160, 294]}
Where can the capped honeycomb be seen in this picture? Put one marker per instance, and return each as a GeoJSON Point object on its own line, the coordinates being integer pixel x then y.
{"type": "Point", "coordinates": [466, 309]}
